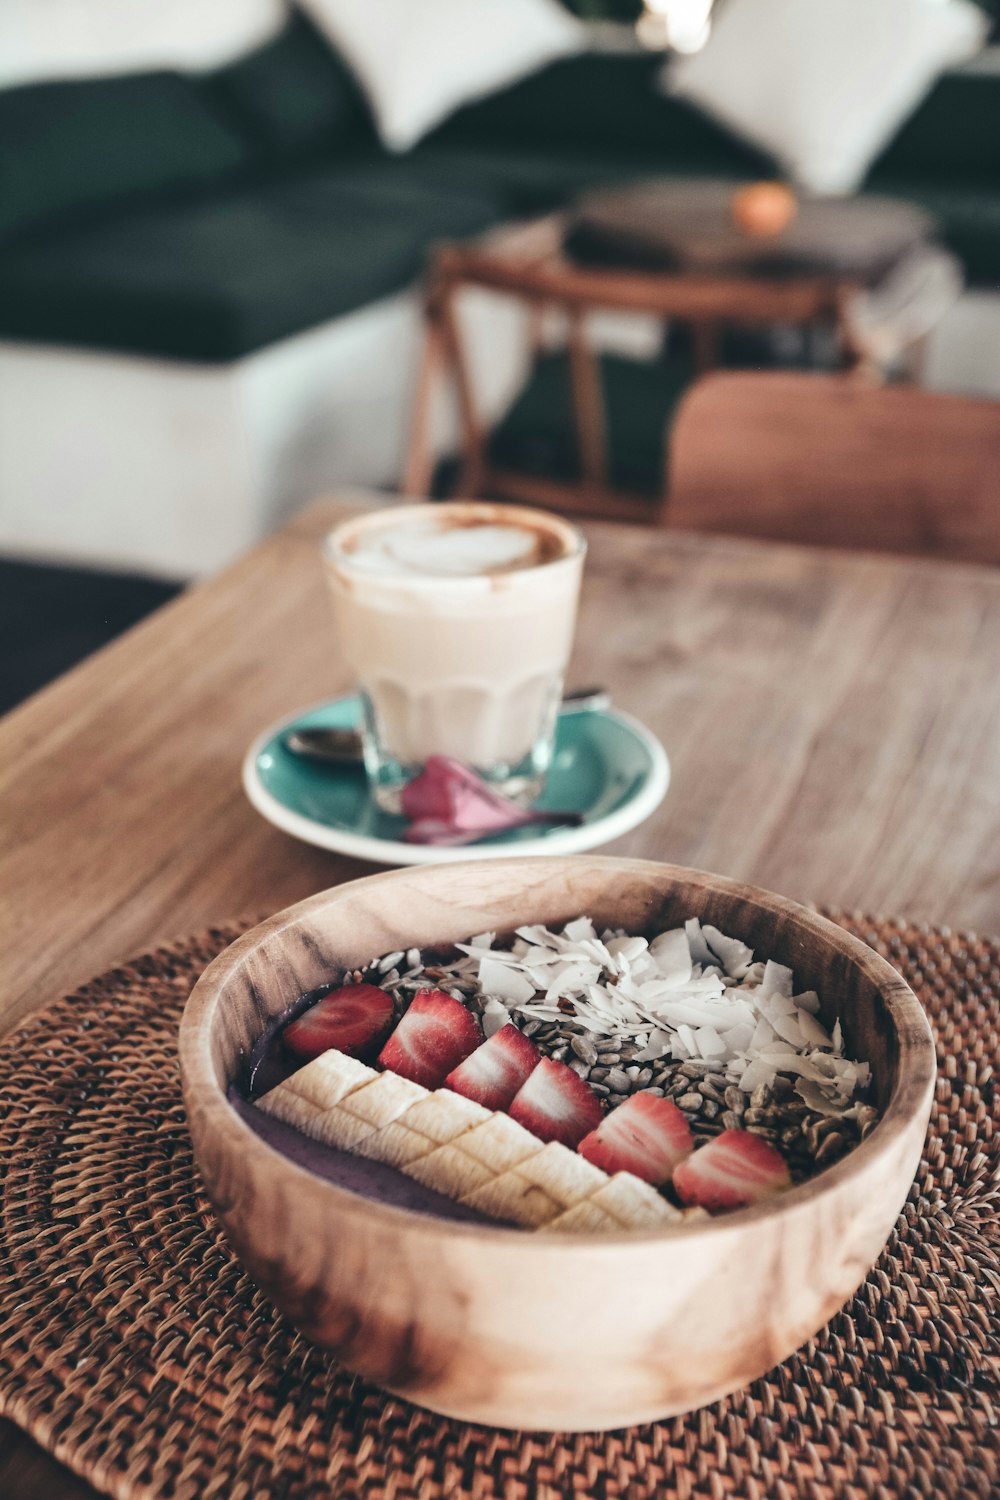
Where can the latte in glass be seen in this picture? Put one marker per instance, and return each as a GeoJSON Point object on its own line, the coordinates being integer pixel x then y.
{"type": "Point", "coordinates": [457, 621]}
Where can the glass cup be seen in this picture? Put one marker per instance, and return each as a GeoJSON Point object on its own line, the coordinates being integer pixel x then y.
{"type": "Point", "coordinates": [457, 620]}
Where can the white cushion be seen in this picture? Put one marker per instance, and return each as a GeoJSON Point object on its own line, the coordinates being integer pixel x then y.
{"type": "Point", "coordinates": [823, 85]}
{"type": "Point", "coordinates": [46, 39]}
{"type": "Point", "coordinates": [419, 60]}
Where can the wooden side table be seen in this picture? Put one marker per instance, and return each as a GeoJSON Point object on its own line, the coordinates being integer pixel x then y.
{"type": "Point", "coordinates": [528, 262]}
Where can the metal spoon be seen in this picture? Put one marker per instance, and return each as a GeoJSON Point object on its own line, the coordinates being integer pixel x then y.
{"type": "Point", "coordinates": [343, 746]}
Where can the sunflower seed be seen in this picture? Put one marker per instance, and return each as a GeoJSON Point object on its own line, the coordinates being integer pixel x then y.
{"type": "Point", "coordinates": [830, 1148]}
{"type": "Point", "coordinates": [584, 1049]}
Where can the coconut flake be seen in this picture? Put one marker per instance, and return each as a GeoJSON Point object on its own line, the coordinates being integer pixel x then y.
{"type": "Point", "coordinates": [813, 1030]}
{"type": "Point", "coordinates": [710, 1043]}
{"type": "Point", "coordinates": [672, 956]}
{"type": "Point", "coordinates": [505, 982]}
{"type": "Point", "coordinates": [700, 953]}
{"type": "Point", "coordinates": [735, 956]}
{"type": "Point", "coordinates": [777, 980]}
{"type": "Point", "coordinates": [495, 1017]}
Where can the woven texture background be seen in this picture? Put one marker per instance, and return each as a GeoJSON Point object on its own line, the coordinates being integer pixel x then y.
{"type": "Point", "coordinates": [133, 1347]}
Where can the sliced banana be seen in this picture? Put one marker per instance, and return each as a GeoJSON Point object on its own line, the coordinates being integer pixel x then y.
{"type": "Point", "coordinates": [369, 1108]}
{"type": "Point", "coordinates": [432, 1121]}
{"type": "Point", "coordinates": [634, 1203]}
{"type": "Point", "coordinates": [476, 1157]}
{"type": "Point", "coordinates": [310, 1097]}
{"type": "Point", "coordinates": [539, 1188]}
{"type": "Point", "coordinates": [587, 1217]}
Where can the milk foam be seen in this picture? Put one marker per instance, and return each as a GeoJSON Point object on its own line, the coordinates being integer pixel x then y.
{"type": "Point", "coordinates": [437, 548]}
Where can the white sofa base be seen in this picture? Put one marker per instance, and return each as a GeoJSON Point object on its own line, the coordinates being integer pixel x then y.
{"type": "Point", "coordinates": [173, 469]}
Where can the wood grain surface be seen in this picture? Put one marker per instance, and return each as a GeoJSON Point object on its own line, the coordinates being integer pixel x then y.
{"type": "Point", "coordinates": [833, 723]}
{"type": "Point", "coordinates": [503, 1328]}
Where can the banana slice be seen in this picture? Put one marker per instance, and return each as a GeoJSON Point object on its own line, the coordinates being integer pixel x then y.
{"type": "Point", "coordinates": [309, 1097]}
{"type": "Point", "coordinates": [635, 1203]}
{"type": "Point", "coordinates": [626, 1201]}
{"type": "Point", "coordinates": [539, 1188]}
{"type": "Point", "coordinates": [369, 1108]}
{"type": "Point", "coordinates": [432, 1121]}
{"type": "Point", "coordinates": [585, 1218]}
{"type": "Point", "coordinates": [476, 1157]}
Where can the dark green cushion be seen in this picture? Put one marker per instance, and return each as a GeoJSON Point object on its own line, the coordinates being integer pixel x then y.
{"type": "Point", "coordinates": [523, 180]}
{"type": "Point", "coordinates": [954, 135]}
{"type": "Point", "coordinates": [608, 103]}
{"type": "Point", "coordinates": [73, 147]}
{"type": "Point", "coordinates": [293, 96]}
{"type": "Point", "coordinates": [218, 278]}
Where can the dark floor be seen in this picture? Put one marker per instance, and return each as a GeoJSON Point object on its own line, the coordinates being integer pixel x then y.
{"type": "Point", "coordinates": [51, 618]}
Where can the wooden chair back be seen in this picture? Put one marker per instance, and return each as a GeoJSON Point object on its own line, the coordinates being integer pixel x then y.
{"type": "Point", "coordinates": [832, 461]}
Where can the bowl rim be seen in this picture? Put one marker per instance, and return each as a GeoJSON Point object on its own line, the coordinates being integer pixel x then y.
{"type": "Point", "coordinates": [916, 1075]}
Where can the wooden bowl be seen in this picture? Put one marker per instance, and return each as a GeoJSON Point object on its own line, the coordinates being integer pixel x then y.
{"type": "Point", "coordinates": [536, 1330]}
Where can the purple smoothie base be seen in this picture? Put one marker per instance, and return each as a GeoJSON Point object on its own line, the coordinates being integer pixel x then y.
{"type": "Point", "coordinates": [270, 1061]}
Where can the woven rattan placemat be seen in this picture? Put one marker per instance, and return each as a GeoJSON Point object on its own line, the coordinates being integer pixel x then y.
{"type": "Point", "coordinates": [134, 1349]}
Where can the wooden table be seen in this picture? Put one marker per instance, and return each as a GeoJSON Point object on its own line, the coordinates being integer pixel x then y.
{"type": "Point", "coordinates": [833, 724]}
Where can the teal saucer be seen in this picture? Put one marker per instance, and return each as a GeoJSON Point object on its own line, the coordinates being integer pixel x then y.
{"type": "Point", "coordinates": [607, 767]}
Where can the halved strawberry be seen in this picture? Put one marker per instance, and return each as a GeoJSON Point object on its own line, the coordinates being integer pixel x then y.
{"type": "Point", "coordinates": [354, 1018]}
{"type": "Point", "coordinates": [493, 1073]}
{"type": "Point", "coordinates": [555, 1104]}
{"type": "Point", "coordinates": [436, 1032]}
{"type": "Point", "coordinates": [732, 1171]}
{"type": "Point", "coordinates": [646, 1136]}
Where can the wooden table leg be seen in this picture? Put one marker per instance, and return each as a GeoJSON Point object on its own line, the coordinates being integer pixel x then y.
{"type": "Point", "coordinates": [418, 471]}
{"type": "Point", "coordinates": [705, 335]}
{"type": "Point", "coordinates": [588, 402]}
{"type": "Point", "coordinates": [473, 440]}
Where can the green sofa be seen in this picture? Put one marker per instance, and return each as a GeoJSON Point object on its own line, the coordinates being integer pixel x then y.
{"type": "Point", "coordinates": [204, 218]}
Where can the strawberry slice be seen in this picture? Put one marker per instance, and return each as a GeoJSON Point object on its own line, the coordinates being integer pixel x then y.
{"type": "Point", "coordinates": [555, 1104]}
{"type": "Point", "coordinates": [732, 1171]}
{"type": "Point", "coordinates": [435, 1034]}
{"type": "Point", "coordinates": [493, 1073]}
{"type": "Point", "coordinates": [646, 1136]}
{"type": "Point", "coordinates": [356, 1018]}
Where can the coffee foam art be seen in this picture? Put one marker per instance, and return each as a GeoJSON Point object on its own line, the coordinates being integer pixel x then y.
{"type": "Point", "coordinates": [446, 549]}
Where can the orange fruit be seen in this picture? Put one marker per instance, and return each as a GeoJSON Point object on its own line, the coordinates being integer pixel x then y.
{"type": "Point", "coordinates": [763, 208]}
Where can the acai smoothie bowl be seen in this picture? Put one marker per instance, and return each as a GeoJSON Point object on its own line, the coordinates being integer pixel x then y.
{"type": "Point", "coordinates": [556, 1143]}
